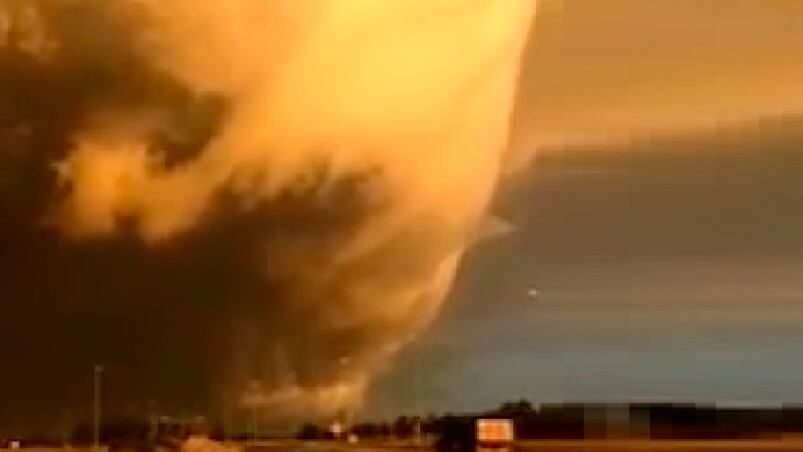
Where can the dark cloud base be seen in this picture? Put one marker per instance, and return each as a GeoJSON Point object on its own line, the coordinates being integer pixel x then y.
{"type": "Point", "coordinates": [175, 323]}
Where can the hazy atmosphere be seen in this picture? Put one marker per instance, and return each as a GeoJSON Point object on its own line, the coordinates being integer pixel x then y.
{"type": "Point", "coordinates": [415, 206]}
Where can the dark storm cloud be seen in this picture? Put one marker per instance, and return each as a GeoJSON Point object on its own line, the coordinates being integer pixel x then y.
{"type": "Point", "coordinates": [65, 305]}
{"type": "Point", "coordinates": [666, 270]}
{"type": "Point", "coordinates": [162, 322]}
{"type": "Point", "coordinates": [87, 65]}
{"type": "Point", "coordinates": [196, 210]}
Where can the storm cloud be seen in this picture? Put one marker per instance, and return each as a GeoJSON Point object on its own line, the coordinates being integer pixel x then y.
{"type": "Point", "coordinates": [251, 201]}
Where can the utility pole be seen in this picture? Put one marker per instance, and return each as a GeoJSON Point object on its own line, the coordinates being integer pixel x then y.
{"type": "Point", "coordinates": [417, 420]}
{"type": "Point", "coordinates": [254, 422]}
{"type": "Point", "coordinates": [255, 392]}
{"type": "Point", "coordinates": [66, 439]}
{"type": "Point", "coordinates": [153, 420]}
{"type": "Point", "coordinates": [96, 406]}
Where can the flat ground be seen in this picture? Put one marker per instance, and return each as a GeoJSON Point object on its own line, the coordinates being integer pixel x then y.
{"type": "Point", "coordinates": [663, 446]}
{"type": "Point", "coordinates": [787, 445]}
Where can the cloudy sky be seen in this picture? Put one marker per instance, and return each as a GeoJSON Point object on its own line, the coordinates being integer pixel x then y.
{"type": "Point", "coordinates": [182, 212]}
{"type": "Point", "coordinates": [663, 237]}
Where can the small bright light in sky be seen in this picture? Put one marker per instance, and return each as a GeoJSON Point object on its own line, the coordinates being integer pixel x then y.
{"type": "Point", "coordinates": [532, 293]}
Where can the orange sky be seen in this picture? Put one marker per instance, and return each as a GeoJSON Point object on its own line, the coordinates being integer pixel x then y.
{"type": "Point", "coordinates": [612, 69]}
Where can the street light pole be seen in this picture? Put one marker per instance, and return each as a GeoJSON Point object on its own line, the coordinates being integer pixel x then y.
{"type": "Point", "coordinates": [153, 420]}
{"type": "Point", "coordinates": [226, 419]}
{"type": "Point", "coordinates": [96, 406]}
{"type": "Point", "coordinates": [253, 424]}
